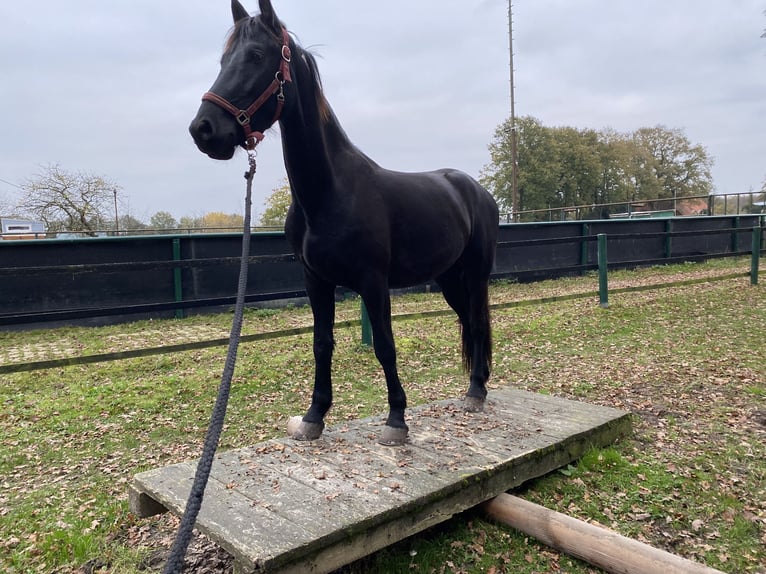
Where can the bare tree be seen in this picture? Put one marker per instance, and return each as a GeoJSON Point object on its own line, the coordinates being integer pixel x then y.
{"type": "Point", "coordinates": [68, 201]}
{"type": "Point", "coordinates": [7, 207]}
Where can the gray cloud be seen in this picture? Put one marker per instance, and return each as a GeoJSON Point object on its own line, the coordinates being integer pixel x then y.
{"type": "Point", "coordinates": [111, 87]}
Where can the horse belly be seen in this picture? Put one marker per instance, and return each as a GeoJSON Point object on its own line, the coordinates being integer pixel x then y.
{"type": "Point", "coordinates": [424, 256]}
{"type": "Point", "coordinates": [341, 260]}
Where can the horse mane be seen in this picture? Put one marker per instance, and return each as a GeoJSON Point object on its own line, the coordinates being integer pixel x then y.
{"type": "Point", "coordinates": [243, 30]}
{"type": "Point", "coordinates": [322, 106]}
{"type": "Point", "coordinates": [240, 31]}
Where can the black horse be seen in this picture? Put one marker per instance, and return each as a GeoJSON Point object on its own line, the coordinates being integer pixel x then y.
{"type": "Point", "coordinates": [353, 223]}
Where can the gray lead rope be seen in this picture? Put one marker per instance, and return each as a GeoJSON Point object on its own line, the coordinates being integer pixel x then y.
{"type": "Point", "coordinates": [194, 502]}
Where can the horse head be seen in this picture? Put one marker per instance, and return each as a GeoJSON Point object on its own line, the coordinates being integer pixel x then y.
{"type": "Point", "coordinates": [249, 93]}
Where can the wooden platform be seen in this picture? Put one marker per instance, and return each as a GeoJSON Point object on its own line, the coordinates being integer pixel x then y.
{"type": "Point", "coordinates": [283, 506]}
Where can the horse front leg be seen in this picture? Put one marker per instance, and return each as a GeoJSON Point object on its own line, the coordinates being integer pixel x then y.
{"type": "Point", "coordinates": [322, 298]}
{"type": "Point", "coordinates": [378, 303]}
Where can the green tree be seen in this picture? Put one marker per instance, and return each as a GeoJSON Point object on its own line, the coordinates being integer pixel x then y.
{"type": "Point", "coordinates": [68, 201]}
{"type": "Point", "coordinates": [679, 168]}
{"type": "Point", "coordinates": [163, 220]}
{"type": "Point", "coordinates": [558, 167]}
{"type": "Point", "coordinates": [565, 167]}
{"type": "Point", "coordinates": [616, 151]}
{"type": "Point", "coordinates": [641, 177]}
{"type": "Point", "coordinates": [579, 167]}
{"type": "Point", "coordinates": [537, 160]}
{"type": "Point", "coordinates": [131, 223]}
{"type": "Point", "coordinates": [277, 205]}
{"type": "Point", "coordinates": [190, 222]}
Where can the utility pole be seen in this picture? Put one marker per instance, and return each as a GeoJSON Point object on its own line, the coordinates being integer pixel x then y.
{"type": "Point", "coordinates": [116, 218]}
{"type": "Point", "coordinates": [514, 150]}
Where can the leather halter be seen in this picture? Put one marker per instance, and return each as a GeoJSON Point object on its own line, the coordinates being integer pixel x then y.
{"type": "Point", "coordinates": [243, 117]}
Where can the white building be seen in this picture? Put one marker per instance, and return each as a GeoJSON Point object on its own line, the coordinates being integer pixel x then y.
{"type": "Point", "coordinates": [21, 229]}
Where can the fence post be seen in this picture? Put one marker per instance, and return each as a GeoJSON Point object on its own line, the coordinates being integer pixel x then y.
{"type": "Point", "coordinates": [755, 255]}
{"type": "Point", "coordinates": [177, 285]}
{"type": "Point", "coordinates": [584, 232]}
{"type": "Point", "coordinates": [603, 279]}
{"type": "Point", "coordinates": [668, 239]}
{"type": "Point", "coordinates": [366, 326]}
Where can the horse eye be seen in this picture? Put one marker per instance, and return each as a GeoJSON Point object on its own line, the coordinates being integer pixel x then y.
{"type": "Point", "coordinates": [256, 55]}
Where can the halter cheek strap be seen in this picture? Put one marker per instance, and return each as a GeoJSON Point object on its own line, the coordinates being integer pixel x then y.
{"type": "Point", "coordinates": [243, 117]}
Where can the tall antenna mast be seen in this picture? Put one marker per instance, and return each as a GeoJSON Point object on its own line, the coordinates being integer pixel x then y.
{"type": "Point", "coordinates": [515, 207]}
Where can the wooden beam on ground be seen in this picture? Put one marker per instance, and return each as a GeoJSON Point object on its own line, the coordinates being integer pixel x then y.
{"type": "Point", "coordinates": [594, 544]}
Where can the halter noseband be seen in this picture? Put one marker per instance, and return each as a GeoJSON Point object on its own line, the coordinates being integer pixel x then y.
{"type": "Point", "coordinates": [243, 117]}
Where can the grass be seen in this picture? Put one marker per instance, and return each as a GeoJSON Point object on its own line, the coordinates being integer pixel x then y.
{"type": "Point", "coordinates": [689, 362]}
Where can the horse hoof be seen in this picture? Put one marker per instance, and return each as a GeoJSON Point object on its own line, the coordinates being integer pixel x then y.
{"type": "Point", "coordinates": [393, 436]}
{"type": "Point", "coordinates": [297, 429]}
{"type": "Point", "coordinates": [473, 404]}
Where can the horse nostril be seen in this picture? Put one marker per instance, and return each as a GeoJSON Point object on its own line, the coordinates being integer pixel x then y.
{"type": "Point", "coordinates": [201, 129]}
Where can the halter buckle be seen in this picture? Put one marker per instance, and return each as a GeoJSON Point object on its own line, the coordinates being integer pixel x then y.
{"type": "Point", "coordinates": [243, 118]}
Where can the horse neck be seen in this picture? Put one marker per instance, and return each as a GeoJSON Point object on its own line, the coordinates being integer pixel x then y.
{"type": "Point", "coordinates": [313, 142]}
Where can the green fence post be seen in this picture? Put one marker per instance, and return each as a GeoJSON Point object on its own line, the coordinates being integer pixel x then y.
{"type": "Point", "coordinates": [668, 239]}
{"type": "Point", "coordinates": [584, 232]}
{"type": "Point", "coordinates": [178, 291]}
{"type": "Point", "coordinates": [603, 279]}
{"type": "Point", "coordinates": [755, 255]}
{"type": "Point", "coordinates": [366, 327]}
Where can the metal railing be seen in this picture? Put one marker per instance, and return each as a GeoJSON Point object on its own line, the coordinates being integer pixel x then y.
{"type": "Point", "coordinates": [716, 204]}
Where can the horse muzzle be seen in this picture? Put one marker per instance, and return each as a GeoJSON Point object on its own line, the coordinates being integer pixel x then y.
{"type": "Point", "coordinates": [218, 139]}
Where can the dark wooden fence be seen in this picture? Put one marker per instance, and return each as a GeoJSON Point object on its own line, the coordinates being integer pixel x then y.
{"type": "Point", "coordinates": [98, 280]}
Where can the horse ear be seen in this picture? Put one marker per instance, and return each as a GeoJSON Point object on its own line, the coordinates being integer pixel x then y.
{"type": "Point", "coordinates": [238, 11]}
{"type": "Point", "coordinates": [268, 16]}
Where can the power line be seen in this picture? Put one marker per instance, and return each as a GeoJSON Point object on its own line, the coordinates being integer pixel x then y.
{"type": "Point", "coordinates": [11, 183]}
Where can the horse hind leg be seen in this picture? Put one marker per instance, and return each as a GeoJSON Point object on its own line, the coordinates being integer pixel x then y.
{"type": "Point", "coordinates": [470, 302]}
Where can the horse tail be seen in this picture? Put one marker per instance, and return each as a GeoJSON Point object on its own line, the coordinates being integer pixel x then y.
{"type": "Point", "coordinates": [465, 333]}
{"type": "Point", "coordinates": [478, 330]}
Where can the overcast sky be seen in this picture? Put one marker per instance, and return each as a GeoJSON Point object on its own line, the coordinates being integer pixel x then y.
{"type": "Point", "coordinates": [109, 88]}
